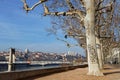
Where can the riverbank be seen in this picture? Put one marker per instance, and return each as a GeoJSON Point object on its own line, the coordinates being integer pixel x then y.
{"type": "Point", "coordinates": [110, 73]}
{"type": "Point", "coordinates": [22, 74]}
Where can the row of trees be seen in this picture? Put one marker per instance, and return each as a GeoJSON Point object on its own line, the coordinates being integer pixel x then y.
{"type": "Point", "coordinates": [94, 24]}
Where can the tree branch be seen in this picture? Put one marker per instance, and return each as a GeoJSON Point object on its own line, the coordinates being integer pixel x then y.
{"type": "Point", "coordinates": [82, 2]}
{"type": "Point", "coordinates": [27, 8]}
{"type": "Point", "coordinates": [70, 4]}
{"type": "Point", "coordinates": [99, 3]}
{"type": "Point", "coordinates": [67, 43]}
{"type": "Point", "coordinates": [70, 12]}
{"type": "Point", "coordinates": [108, 7]}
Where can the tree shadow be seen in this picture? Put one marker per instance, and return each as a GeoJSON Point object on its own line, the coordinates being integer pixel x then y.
{"type": "Point", "coordinates": [107, 68]}
{"type": "Point", "coordinates": [36, 77]}
{"type": "Point", "coordinates": [41, 75]}
{"type": "Point", "coordinates": [107, 73]}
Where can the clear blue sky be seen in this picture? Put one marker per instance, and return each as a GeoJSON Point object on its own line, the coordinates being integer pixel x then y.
{"type": "Point", "coordinates": [20, 30]}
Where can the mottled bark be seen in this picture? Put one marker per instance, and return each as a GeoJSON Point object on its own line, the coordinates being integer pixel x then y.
{"type": "Point", "coordinates": [89, 23]}
{"type": "Point", "coordinates": [99, 52]}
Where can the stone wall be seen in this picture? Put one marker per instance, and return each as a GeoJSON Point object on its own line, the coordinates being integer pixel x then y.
{"type": "Point", "coordinates": [15, 75]}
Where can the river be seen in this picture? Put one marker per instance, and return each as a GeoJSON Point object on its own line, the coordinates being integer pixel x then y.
{"type": "Point", "coordinates": [17, 67]}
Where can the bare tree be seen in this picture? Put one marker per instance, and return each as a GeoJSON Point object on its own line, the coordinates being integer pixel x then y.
{"type": "Point", "coordinates": [89, 15]}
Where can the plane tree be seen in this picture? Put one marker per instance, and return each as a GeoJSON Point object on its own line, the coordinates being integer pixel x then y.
{"type": "Point", "coordinates": [91, 17]}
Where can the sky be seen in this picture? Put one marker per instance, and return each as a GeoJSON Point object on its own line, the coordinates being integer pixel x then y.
{"type": "Point", "coordinates": [22, 30]}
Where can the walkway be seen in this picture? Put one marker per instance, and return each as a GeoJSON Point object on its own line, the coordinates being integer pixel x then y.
{"type": "Point", "coordinates": [111, 73]}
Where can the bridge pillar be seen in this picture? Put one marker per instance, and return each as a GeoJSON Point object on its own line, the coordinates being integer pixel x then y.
{"type": "Point", "coordinates": [10, 63]}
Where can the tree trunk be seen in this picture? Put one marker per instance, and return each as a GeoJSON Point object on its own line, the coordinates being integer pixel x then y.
{"type": "Point", "coordinates": [102, 54]}
{"type": "Point", "coordinates": [89, 23]}
{"type": "Point", "coordinates": [99, 53]}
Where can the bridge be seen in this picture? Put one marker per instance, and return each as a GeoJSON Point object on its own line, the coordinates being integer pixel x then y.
{"type": "Point", "coordinates": [48, 62]}
{"type": "Point", "coordinates": [37, 62]}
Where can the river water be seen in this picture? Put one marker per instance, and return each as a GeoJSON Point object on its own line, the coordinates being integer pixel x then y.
{"type": "Point", "coordinates": [18, 67]}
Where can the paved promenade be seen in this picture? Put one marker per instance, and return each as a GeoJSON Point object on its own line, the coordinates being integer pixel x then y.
{"type": "Point", "coordinates": [111, 73]}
